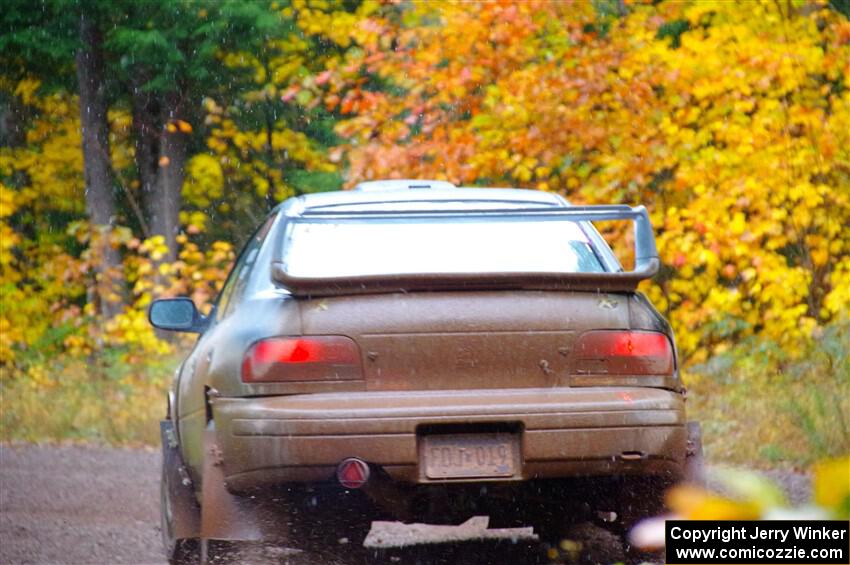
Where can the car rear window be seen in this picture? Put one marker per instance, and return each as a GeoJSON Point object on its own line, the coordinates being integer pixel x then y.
{"type": "Point", "coordinates": [340, 248]}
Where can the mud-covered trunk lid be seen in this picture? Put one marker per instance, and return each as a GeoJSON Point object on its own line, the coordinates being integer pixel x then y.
{"type": "Point", "coordinates": [460, 340]}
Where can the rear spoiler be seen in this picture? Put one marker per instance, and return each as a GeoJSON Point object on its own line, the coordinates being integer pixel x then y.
{"type": "Point", "coordinates": [647, 262]}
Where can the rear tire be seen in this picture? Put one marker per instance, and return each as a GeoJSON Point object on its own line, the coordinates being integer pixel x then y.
{"type": "Point", "coordinates": [595, 544]}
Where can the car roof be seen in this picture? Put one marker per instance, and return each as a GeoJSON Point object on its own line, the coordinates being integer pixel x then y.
{"type": "Point", "coordinates": [421, 198]}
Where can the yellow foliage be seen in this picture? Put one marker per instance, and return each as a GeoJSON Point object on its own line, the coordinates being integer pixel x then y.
{"type": "Point", "coordinates": [736, 137]}
{"type": "Point", "coordinates": [694, 503]}
{"type": "Point", "coordinates": [832, 483]}
{"type": "Point", "coordinates": [204, 180]}
{"type": "Point", "coordinates": [51, 160]}
{"type": "Point", "coordinates": [38, 280]}
{"type": "Point", "coordinates": [44, 309]}
{"type": "Point", "coordinates": [132, 328]}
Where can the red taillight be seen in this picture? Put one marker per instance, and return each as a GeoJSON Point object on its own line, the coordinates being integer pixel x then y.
{"type": "Point", "coordinates": [624, 353]}
{"type": "Point", "coordinates": [313, 358]}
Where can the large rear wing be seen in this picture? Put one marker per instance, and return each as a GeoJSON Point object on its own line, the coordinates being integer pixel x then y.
{"type": "Point", "coordinates": [647, 262]}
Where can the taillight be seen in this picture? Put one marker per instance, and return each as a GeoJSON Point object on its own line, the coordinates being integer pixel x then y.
{"type": "Point", "coordinates": [617, 352]}
{"type": "Point", "coordinates": [309, 358]}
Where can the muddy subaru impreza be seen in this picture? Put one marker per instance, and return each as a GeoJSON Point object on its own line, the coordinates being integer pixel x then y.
{"type": "Point", "coordinates": [441, 351]}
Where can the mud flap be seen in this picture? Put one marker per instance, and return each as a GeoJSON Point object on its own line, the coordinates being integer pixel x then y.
{"type": "Point", "coordinates": [228, 517]}
{"type": "Point", "coordinates": [694, 461]}
{"type": "Point", "coordinates": [185, 512]}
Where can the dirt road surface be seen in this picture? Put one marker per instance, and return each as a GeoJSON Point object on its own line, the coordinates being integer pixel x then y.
{"type": "Point", "coordinates": [79, 505]}
{"type": "Point", "coordinates": [91, 505]}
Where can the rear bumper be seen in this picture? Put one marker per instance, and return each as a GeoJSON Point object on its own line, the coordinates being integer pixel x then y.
{"type": "Point", "coordinates": [564, 432]}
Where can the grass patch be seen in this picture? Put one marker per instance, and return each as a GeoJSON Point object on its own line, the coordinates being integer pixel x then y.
{"type": "Point", "coordinates": [100, 400]}
{"type": "Point", "coordinates": [760, 409]}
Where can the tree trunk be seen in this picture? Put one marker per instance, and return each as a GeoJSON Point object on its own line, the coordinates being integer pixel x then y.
{"type": "Point", "coordinates": [146, 129]}
{"type": "Point", "coordinates": [12, 133]}
{"type": "Point", "coordinates": [100, 200]}
{"type": "Point", "coordinates": [165, 200]}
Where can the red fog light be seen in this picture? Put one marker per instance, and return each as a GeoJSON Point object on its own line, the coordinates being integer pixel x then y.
{"type": "Point", "coordinates": [352, 473]}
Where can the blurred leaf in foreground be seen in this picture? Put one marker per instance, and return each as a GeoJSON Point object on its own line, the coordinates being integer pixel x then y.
{"type": "Point", "coordinates": [832, 486]}
{"type": "Point", "coordinates": [750, 496]}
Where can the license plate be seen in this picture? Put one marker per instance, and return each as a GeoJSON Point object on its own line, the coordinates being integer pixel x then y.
{"type": "Point", "coordinates": [460, 456]}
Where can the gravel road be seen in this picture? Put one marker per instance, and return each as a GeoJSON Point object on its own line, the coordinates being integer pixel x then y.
{"type": "Point", "coordinates": [90, 505]}
{"type": "Point", "coordinates": [79, 505]}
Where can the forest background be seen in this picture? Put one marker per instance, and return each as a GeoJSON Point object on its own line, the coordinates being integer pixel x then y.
{"type": "Point", "coordinates": [141, 142]}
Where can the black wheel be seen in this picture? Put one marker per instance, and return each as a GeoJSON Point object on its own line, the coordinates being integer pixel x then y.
{"type": "Point", "coordinates": [594, 544]}
{"type": "Point", "coordinates": [177, 551]}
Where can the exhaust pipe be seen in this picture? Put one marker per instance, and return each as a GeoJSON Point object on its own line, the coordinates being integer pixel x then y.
{"type": "Point", "coordinates": [352, 473]}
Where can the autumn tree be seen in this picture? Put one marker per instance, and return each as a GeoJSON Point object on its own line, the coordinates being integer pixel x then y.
{"type": "Point", "coordinates": [49, 45]}
{"type": "Point", "coordinates": [734, 134]}
{"type": "Point", "coordinates": [168, 54]}
{"type": "Point", "coordinates": [728, 120]}
{"type": "Point", "coordinates": [267, 138]}
{"type": "Point", "coordinates": [243, 141]}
